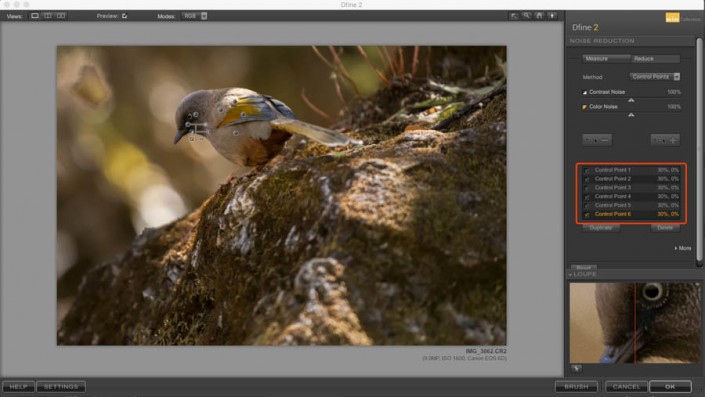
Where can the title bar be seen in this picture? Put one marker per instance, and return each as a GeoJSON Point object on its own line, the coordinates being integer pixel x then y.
{"type": "Point", "coordinates": [120, 5]}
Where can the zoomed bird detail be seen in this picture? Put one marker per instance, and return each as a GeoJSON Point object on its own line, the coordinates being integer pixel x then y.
{"type": "Point", "coordinates": [667, 323]}
{"type": "Point", "coordinates": [245, 127]}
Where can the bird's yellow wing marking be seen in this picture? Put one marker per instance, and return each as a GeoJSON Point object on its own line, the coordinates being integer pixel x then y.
{"type": "Point", "coordinates": [247, 108]}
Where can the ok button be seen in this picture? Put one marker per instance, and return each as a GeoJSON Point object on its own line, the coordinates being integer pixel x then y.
{"type": "Point", "coordinates": [670, 386]}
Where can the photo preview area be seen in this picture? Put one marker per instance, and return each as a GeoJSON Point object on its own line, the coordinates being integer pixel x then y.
{"type": "Point", "coordinates": [394, 235]}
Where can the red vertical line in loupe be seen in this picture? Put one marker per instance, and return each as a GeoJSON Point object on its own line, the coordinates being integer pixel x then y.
{"type": "Point", "coordinates": [634, 323]}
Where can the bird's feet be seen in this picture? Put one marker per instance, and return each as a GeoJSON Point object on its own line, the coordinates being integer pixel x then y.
{"type": "Point", "coordinates": [230, 180]}
{"type": "Point", "coordinates": [240, 173]}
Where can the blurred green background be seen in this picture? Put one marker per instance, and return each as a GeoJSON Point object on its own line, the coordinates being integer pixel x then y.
{"type": "Point", "coordinates": [118, 170]}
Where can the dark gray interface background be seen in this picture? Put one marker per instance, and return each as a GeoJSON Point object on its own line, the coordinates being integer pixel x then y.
{"type": "Point", "coordinates": [28, 204]}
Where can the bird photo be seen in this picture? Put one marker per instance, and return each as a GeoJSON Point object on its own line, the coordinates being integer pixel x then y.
{"type": "Point", "coordinates": [245, 127]}
{"type": "Point", "coordinates": [637, 322]}
{"type": "Point", "coordinates": [281, 195]}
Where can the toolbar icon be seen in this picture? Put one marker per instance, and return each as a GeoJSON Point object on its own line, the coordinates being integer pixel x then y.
{"type": "Point", "coordinates": [673, 17]}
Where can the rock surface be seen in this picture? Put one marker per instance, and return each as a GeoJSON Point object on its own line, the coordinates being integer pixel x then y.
{"type": "Point", "coordinates": [401, 241]}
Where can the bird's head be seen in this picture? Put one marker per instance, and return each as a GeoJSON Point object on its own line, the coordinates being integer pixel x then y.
{"type": "Point", "coordinates": [192, 112]}
{"type": "Point", "coordinates": [648, 320]}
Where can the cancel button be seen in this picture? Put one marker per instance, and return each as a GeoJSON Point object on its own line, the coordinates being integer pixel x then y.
{"type": "Point", "coordinates": [626, 386]}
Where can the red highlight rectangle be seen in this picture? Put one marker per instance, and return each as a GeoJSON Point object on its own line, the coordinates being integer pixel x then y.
{"type": "Point", "coordinates": [685, 192]}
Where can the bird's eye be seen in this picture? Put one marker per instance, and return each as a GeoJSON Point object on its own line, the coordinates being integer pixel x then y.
{"type": "Point", "coordinates": [652, 292]}
{"type": "Point", "coordinates": [234, 102]}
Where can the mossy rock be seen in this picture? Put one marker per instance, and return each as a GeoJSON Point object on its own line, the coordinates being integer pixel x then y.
{"type": "Point", "coordinates": [402, 241]}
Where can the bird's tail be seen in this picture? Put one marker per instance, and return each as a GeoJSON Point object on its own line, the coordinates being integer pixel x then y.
{"type": "Point", "coordinates": [319, 134]}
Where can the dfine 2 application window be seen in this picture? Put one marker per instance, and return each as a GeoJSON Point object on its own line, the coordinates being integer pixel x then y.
{"type": "Point", "coordinates": [351, 199]}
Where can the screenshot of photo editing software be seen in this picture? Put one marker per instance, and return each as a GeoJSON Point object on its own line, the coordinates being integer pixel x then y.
{"type": "Point", "coordinates": [373, 198]}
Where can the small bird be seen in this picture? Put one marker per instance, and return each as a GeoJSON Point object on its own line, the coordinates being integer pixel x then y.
{"type": "Point", "coordinates": [245, 127]}
{"type": "Point", "coordinates": [667, 321]}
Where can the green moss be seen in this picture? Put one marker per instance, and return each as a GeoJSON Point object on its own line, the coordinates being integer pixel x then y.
{"type": "Point", "coordinates": [494, 112]}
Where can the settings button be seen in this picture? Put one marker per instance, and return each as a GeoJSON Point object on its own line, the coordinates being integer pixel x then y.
{"type": "Point", "coordinates": [61, 386]}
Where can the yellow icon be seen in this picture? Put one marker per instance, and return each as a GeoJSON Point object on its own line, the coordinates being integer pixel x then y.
{"type": "Point", "coordinates": [673, 17]}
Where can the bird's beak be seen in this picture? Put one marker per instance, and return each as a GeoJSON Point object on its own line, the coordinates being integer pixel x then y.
{"type": "Point", "coordinates": [612, 355]}
{"type": "Point", "coordinates": [180, 134]}
{"type": "Point", "coordinates": [624, 353]}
